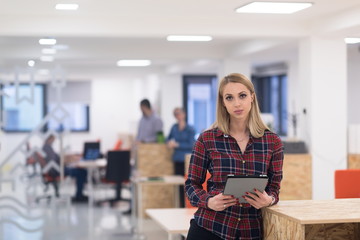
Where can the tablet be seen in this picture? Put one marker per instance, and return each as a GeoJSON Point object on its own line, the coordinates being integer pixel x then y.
{"type": "Point", "coordinates": [238, 185]}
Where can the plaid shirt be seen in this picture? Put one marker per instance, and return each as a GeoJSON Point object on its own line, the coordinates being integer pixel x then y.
{"type": "Point", "coordinates": [220, 155]}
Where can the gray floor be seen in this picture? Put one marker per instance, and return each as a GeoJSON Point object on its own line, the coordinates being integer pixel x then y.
{"type": "Point", "coordinates": [21, 217]}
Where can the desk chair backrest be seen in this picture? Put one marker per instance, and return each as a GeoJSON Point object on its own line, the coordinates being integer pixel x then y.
{"type": "Point", "coordinates": [52, 176]}
{"type": "Point", "coordinates": [347, 183]}
{"type": "Point", "coordinates": [118, 166]}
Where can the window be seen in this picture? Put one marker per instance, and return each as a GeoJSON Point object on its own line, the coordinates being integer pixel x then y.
{"type": "Point", "coordinates": [73, 116]}
{"type": "Point", "coordinates": [200, 101]}
{"type": "Point", "coordinates": [271, 94]}
{"type": "Point", "coordinates": [73, 112]}
{"type": "Point", "coordinates": [22, 106]}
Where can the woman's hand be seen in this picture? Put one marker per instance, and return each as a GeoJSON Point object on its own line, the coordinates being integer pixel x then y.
{"type": "Point", "coordinates": [172, 144]}
{"type": "Point", "coordinates": [259, 199]}
{"type": "Point", "coordinates": [220, 202]}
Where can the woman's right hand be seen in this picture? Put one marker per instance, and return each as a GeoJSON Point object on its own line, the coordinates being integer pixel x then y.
{"type": "Point", "coordinates": [220, 202]}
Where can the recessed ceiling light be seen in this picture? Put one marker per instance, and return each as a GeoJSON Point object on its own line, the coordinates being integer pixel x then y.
{"type": "Point", "coordinates": [31, 63]}
{"type": "Point", "coordinates": [48, 51]}
{"type": "Point", "coordinates": [189, 38]}
{"type": "Point", "coordinates": [66, 6]}
{"type": "Point", "coordinates": [133, 63]}
{"type": "Point", "coordinates": [47, 58]}
{"type": "Point", "coordinates": [352, 40]}
{"type": "Point", "coordinates": [273, 7]}
{"type": "Point", "coordinates": [47, 41]}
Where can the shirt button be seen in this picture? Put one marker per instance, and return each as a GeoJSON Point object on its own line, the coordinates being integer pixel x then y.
{"type": "Point", "coordinates": [243, 161]}
{"type": "Point", "coordinates": [239, 219]}
{"type": "Point", "coordinates": [240, 205]}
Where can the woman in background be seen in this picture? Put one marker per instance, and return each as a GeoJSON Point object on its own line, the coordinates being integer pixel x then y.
{"type": "Point", "coordinates": [238, 143]}
{"type": "Point", "coordinates": [181, 140]}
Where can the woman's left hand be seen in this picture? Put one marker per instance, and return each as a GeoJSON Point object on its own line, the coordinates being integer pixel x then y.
{"type": "Point", "coordinates": [259, 199]}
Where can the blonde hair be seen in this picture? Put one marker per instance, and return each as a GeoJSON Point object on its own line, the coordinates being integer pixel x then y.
{"type": "Point", "coordinates": [255, 124]}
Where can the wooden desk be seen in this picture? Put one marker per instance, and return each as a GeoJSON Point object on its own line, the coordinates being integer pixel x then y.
{"type": "Point", "coordinates": [313, 220]}
{"type": "Point", "coordinates": [140, 183]}
{"type": "Point", "coordinates": [173, 220]}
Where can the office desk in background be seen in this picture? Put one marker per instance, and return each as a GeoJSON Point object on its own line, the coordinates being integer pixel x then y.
{"type": "Point", "coordinates": [173, 180]}
{"type": "Point", "coordinates": [313, 220]}
{"type": "Point", "coordinates": [175, 221]}
{"type": "Point", "coordinates": [91, 166]}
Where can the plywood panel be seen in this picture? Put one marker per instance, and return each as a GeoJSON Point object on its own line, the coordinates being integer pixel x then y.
{"type": "Point", "coordinates": [313, 220]}
{"type": "Point", "coordinates": [280, 228]}
{"type": "Point", "coordinates": [339, 231]}
{"type": "Point", "coordinates": [354, 161]}
{"type": "Point", "coordinates": [157, 196]}
{"type": "Point", "coordinates": [154, 160]}
{"type": "Point", "coordinates": [297, 177]}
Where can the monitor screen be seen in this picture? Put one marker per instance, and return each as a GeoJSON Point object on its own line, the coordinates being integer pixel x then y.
{"type": "Point", "coordinates": [91, 150]}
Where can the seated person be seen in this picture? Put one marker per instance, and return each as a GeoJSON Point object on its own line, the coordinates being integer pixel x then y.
{"type": "Point", "coordinates": [79, 174]}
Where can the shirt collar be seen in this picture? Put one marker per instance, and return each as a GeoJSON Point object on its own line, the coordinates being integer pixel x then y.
{"type": "Point", "coordinates": [219, 133]}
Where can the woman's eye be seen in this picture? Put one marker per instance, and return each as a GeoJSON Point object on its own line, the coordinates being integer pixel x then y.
{"type": "Point", "coordinates": [243, 95]}
{"type": "Point", "coordinates": [228, 98]}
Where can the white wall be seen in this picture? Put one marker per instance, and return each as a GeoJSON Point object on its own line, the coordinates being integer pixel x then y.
{"type": "Point", "coordinates": [171, 97]}
{"type": "Point", "coordinates": [354, 87]}
{"type": "Point", "coordinates": [353, 100]}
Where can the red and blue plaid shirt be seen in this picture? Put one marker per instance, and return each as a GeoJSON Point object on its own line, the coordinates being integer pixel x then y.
{"type": "Point", "coordinates": [219, 154]}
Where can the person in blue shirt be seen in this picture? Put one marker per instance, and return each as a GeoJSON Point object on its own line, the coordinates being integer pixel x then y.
{"type": "Point", "coordinates": [181, 139]}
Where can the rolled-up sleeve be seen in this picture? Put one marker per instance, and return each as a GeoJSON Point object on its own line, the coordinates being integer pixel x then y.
{"type": "Point", "coordinates": [197, 175]}
{"type": "Point", "coordinates": [275, 173]}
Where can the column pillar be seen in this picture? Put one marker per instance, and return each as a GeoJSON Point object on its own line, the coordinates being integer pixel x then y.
{"type": "Point", "coordinates": [322, 97]}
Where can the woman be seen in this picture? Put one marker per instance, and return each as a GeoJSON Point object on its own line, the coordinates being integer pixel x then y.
{"type": "Point", "coordinates": [181, 140]}
{"type": "Point", "coordinates": [238, 143]}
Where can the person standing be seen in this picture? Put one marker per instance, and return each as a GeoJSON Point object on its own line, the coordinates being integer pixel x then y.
{"type": "Point", "coordinates": [150, 124]}
{"type": "Point", "coordinates": [181, 140]}
{"type": "Point", "coordinates": [238, 143]}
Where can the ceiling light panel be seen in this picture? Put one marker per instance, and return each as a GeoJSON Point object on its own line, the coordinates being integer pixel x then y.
{"type": "Point", "coordinates": [61, 6]}
{"type": "Point", "coordinates": [352, 40]}
{"type": "Point", "coordinates": [186, 38]}
{"type": "Point", "coordinates": [133, 63]}
{"type": "Point", "coordinates": [273, 7]}
{"type": "Point", "coordinates": [47, 41]}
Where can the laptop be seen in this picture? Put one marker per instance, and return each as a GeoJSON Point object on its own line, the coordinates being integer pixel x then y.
{"type": "Point", "coordinates": [91, 151]}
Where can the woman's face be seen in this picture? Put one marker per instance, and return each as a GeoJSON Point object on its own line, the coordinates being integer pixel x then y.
{"type": "Point", "coordinates": [237, 100]}
{"type": "Point", "coordinates": [179, 114]}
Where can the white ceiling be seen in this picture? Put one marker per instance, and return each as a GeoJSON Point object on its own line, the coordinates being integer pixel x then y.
{"type": "Point", "coordinates": [102, 32]}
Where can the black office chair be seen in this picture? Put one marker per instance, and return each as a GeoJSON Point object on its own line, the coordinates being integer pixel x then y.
{"type": "Point", "coordinates": [117, 172]}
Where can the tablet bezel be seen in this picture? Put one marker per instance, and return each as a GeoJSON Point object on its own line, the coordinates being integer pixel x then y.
{"type": "Point", "coordinates": [238, 185]}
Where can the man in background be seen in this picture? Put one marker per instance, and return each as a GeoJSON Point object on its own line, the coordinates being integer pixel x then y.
{"type": "Point", "coordinates": [150, 124]}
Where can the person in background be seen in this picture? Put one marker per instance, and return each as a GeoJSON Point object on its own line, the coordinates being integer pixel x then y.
{"type": "Point", "coordinates": [150, 124]}
{"type": "Point", "coordinates": [79, 174]}
{"type": "Point", "coordinates": [181, 140]}
{"type": "Point", "coordinates": [238, 143]}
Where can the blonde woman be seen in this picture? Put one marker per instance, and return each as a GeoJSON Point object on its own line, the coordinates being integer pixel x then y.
{"type": "Point", "coordinates": [238, 143]}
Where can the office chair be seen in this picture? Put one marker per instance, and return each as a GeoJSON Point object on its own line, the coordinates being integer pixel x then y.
{"type": "Point", "coordinates": [346, 183]}
{"type": "Point", "coordinates": [117, 172]}
{"type": "Point", "coordinates": [51, 177]}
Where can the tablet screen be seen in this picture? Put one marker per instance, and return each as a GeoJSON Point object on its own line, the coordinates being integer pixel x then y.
{"type": "Point", "coordinates": [238, 185]}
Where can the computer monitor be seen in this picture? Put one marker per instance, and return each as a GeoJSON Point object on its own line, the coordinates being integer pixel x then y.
{"type": "Point", "coordinates": [91, 150]}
